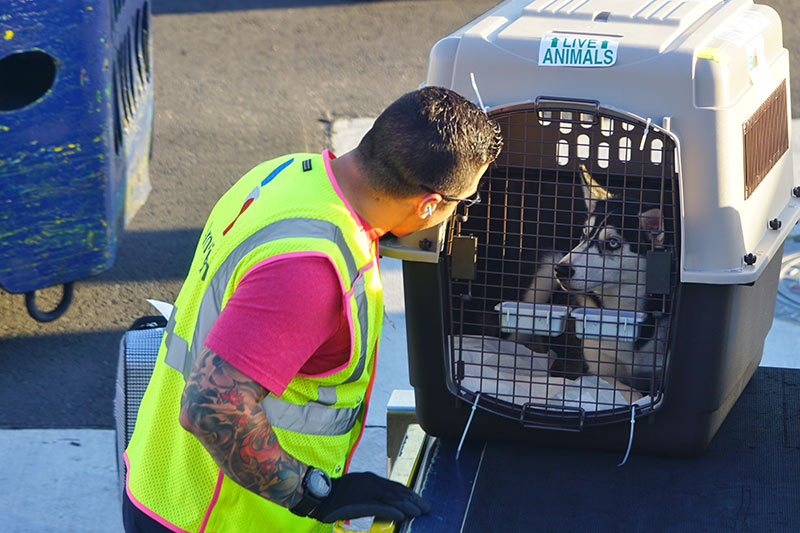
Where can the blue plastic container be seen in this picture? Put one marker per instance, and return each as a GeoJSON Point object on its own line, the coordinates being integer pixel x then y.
{"type": "Point", "coordinates": [76, 114]}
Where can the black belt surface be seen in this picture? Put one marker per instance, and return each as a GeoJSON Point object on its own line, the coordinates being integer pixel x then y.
{"type": "Point", "coordinates": [746, 481]}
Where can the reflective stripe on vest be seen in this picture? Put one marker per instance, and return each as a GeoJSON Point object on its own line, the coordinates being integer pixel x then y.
{"type": "Point", "coordinates": [314, 418]}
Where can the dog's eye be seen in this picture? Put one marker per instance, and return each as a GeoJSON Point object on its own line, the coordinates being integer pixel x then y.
{"type": "Point", "coordinates": [613, 243]}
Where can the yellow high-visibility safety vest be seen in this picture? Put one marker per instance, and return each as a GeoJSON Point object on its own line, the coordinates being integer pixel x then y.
{"type": "Point", "coordinates": [283, 207]}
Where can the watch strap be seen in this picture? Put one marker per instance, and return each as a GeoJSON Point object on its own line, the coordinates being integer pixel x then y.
{"type": "Point", "coordinates": [308, 502]}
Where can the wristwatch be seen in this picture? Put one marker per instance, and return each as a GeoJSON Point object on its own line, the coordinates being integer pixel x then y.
{"type": "Point", "coordinates": [316, 487]}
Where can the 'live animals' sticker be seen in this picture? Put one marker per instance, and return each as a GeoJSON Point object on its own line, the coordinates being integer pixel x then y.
{"type": "Point", "coordinates": [569, 50]}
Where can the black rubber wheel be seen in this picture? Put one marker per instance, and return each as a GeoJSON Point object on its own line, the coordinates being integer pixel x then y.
{"type": "Point", "coordinates": [48, 316]}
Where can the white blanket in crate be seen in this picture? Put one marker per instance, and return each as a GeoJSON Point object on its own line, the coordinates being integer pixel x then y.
{"type": "Point", "coordinates": [512, 372]}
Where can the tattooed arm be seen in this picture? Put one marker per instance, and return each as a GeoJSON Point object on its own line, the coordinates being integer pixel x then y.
{"type": "Point", "coordinates": [220, 407]}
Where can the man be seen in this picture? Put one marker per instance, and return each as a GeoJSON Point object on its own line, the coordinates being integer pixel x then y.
{"type": "Point", "coordinates": [260, 390]}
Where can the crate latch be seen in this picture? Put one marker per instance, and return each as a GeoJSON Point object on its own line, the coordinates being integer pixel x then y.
{"type": "Point", "coordinates": [659, 272]}
{"type": "Point", "coordinates": [463, 257]}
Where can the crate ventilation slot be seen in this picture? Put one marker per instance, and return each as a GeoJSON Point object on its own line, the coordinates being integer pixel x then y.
{"type": "Point", "coordinates": [766, 139]}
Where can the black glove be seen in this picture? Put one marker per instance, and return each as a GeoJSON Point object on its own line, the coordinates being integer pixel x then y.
{"type": "Point", "coordinates": [365, 494]}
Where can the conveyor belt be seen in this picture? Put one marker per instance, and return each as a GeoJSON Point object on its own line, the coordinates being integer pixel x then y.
{"type": "Point", "coordinates": [746, 481]}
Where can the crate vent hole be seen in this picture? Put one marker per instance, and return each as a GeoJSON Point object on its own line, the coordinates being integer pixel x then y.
{"type": "Point", "coordinates": [566, 125]}
{"type": "Point", "coordinates": [583, 146]}
{"type": "Point", "coordinates": [602, 154]}
{"type": "Point", "coordinates": [24, 78]}
{"type": "Point", "coordinates": [563, 152]}
{"type": "Point", "coordinates": [606, 126]}
{"type": "Point", "coordinates": [624, 149]}
{"type": "Point", "coordinates": [656, 151]}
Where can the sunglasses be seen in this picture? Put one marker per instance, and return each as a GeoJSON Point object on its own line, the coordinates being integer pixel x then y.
{"type": "Point", "coordinates": [468, 202]}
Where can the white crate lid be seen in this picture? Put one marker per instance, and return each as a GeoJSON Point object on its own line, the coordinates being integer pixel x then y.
{"type": "Point", "coordinates": [648, 27]}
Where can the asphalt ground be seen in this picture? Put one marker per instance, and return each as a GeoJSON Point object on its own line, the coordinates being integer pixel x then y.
{"type": "Point", "coordinates": [236, 82]}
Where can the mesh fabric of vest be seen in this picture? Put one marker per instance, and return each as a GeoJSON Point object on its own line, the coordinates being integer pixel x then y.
{"type": "Point", "coordinates": [170, 472]}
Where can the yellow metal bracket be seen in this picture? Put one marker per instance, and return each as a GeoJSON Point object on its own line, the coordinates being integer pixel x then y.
{"type": "Point", "coordinates": [404, 470]}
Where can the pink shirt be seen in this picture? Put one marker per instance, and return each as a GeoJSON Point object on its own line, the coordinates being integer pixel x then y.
{"type": "Point", "coordinates": [286, 317]}
{"type": "Point", "coordinates": [274, 326]}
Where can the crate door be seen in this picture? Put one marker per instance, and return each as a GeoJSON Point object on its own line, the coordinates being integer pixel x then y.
{"type": "Point", "coordinates": [561, 281]}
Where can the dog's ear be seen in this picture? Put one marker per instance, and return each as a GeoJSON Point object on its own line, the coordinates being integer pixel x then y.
{"type": "Point", "coordinates": [651, 222]}
{"type": "Point", "coordinates": [592, 191]}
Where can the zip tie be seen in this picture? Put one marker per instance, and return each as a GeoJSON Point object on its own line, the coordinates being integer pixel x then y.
{"type": "Point", "coordinates": [630, 440]}
{"type": "Point", "coordinates": [646, 129]}
{"type": "Point", "coordinates": [469, 421]}
{"type": "Point", "coordinates": [477, 93]}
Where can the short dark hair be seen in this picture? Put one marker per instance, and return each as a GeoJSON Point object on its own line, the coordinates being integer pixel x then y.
{"type": "Point", "coordinates": [430, 138]}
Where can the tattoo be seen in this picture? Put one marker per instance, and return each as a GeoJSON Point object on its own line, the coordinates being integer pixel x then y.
{"type": "Point", "coordinates": [220, 407]}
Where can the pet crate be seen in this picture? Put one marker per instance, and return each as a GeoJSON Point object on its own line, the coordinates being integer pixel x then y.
{"type": "Point", "coordinates": [76, 115]}
{"type": "Point", "coordinates": [624, 261]}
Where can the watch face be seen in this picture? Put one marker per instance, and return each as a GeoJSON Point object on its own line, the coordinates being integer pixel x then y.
{"type": "Point", "coordinates": [319, 483]}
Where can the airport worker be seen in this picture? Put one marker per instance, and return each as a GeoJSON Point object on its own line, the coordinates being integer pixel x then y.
{"type": "Point", "coordinates": [260, 390]}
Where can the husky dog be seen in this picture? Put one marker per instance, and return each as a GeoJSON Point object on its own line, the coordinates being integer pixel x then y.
{"type": "Point", "coordinates": [610, 262]}
{"type": "Point", "coordinates": [565, 350]}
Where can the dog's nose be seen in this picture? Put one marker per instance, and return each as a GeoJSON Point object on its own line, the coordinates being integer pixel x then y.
{"type": "Point", "coordinates": [564, 271]}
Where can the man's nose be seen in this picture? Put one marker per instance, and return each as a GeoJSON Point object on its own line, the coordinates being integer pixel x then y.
{"type": "Point", "coordinates": [564, 271]}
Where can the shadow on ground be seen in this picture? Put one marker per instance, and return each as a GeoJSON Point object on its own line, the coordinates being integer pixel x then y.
{"type": "Point", "coordinates": [162, 7]}
{"type": "Point", "coordinates": [64, 380]}
{"type": "Point", "coordinates": [152, 255]}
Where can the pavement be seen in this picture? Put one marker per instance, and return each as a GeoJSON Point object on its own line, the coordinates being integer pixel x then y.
{"type": "Point", "coordinates": [214, 89]}
{"type": "Point", "coordinates": [67, 479]}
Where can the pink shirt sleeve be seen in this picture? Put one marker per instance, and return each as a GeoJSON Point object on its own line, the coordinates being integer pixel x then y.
{"type": "Point", "coordinates": [280, 314]}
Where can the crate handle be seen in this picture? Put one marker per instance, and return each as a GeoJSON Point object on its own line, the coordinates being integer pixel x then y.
{"type": "Point", "coordinates": [539, 416]}
{"type": "Point", "coordinates": [557, 103]}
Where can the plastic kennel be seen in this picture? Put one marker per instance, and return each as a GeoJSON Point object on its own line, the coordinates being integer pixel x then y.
{"type": "Point", "coordinates": [625, 259]}
{"type": "Point", "coordinates": [76, 114]}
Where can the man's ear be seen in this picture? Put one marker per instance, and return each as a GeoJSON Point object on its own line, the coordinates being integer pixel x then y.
{"type": "Point", "coordinates": [427, 205]}
{"type": "Point", "coordinates": [651, 222]}
{"type": "Point", "coordinates": [592, 191]}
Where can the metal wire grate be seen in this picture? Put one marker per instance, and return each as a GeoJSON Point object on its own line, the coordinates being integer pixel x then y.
{"type": "Point", "coordinates": [561, 282]}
